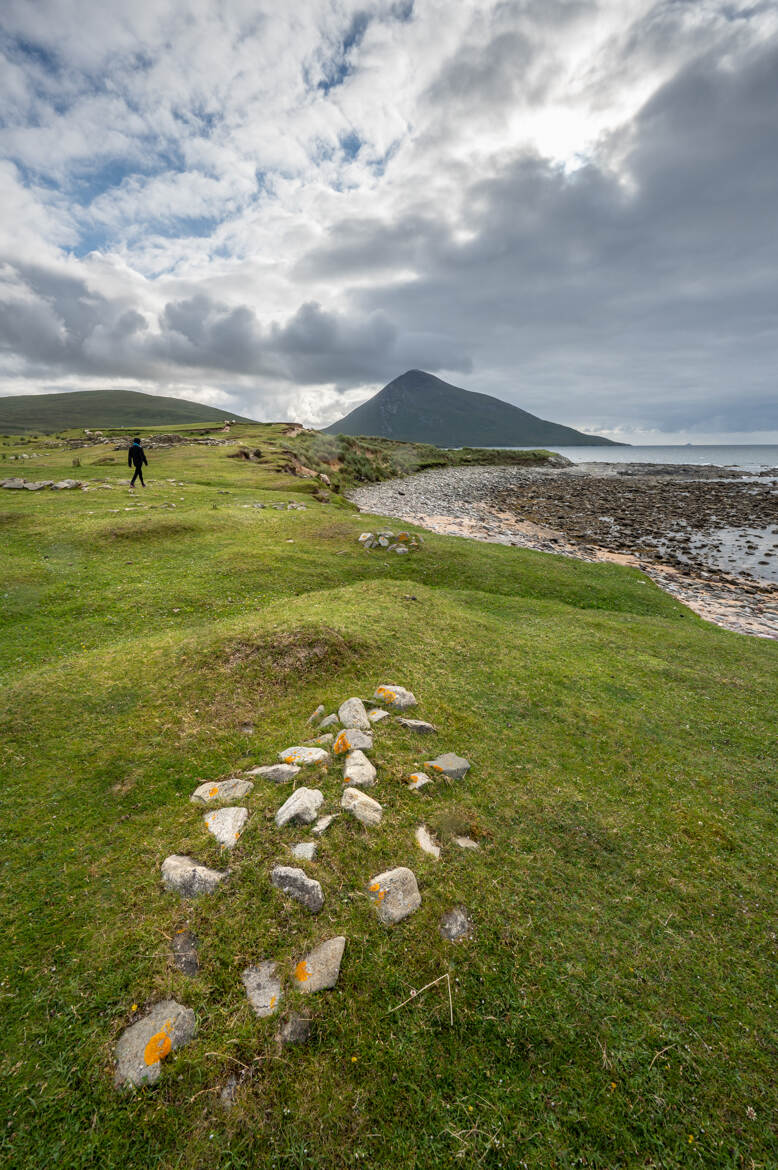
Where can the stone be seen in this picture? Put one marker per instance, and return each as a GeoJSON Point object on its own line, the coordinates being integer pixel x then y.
{"type": "Point", "coordinates": [294, 882]}
{"type": "Point", "coordinates": [278, 773]}
{"type": "Point", "coordinates": [301, 807]}
{"type": "Point", "coordinates": [456, 924]}
{"type": "Point", "coordinates": [395, 697]}
{"type": "Point", "coordinates": [227, 1094]}
{"type": "Point", "coordinates": [358, 770]}
{"type": "Point", "coordinates": [465, 842]}
{"type": "Point", "coordinates": [363, 807]}
{"type": "Point", "coordinates": [320, 969]}
{"type": "Point", "coordinates": [324, 823]}
{"type": "Point", "coordinates": [450, 764]}
{"type": "Point", "coordinates": [377, 715]}
{"type": "Point", "coordinates": [395, 894]}
{"type": "Point", "coordinates": [317, 714]}
{"type": "Point", "coordinates": [328, 721]}
{"type": "Point", "coordinates": [263, 988]}
{"type": "Point", "coordinates": [144, 1045]}
{"type": "Point", "coordinates": [14, 484]}
{"type": "Point", "coordinates": [305, 850]}
{"type": "Point", "coordinates": [418, 780]}
{"type": "Point", "coordinates": [233, 789]}
{"type": "Point", "coordinates": [325, 740]}
{"type": "Point", "coordinates": [187, 877]}
{"type": "Point", "coordinates": [427, 842]}
{"type": "Point", "coordinates": [183, 949]}
{"type": "Point", "coordinates": [365, 537]}
{"type": "Point", "coordinates": [295, 1029]}
{"type": "Point", "coordinates": [66, 485]}
{"type": "Point", "coordinates": [351, 738]}
{"type": "Point", "coordinates": [418, 725]}
{"type": "Point", "coordinates": [226, 824]}
{"type": "Point", "coordinates": [304, 755]}
{"type": "Point", "coordinates": [352, 713]}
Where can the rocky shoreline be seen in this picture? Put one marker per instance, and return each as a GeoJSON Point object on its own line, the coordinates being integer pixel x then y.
{"type": "Point", "coordinates": [708, 536]}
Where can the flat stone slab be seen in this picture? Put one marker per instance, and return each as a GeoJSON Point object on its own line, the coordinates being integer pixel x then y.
{"type": "Point", "coordinates": [325, 740]}
{"type": "Point", "coordinates": [226, 824]}
{"type": "Point", "coordinates": [427, 842]}
{"type": "Point", "coordinates": [395, 893]}
{"type": "Point", "coordinates": [418, 780]}
{"type": "Point", "coordinates": [377, 715]}
{"type": "Point", "coordinates": [184, 947]}
{"type": "Point", "coordinates": [363, 807]}
{"type": "Point", "coordinates": [352, 713]}
{"type": "Point", "coordinates": [301, 808]}
{"type": "Point", "coordinates": [144, 1045]}
{"type": "Point", "coordinates": [187, 877]}
{"type": "Point", "coordinates": [450, 764]}
{"type": "Point", "coordinates": [14, 484]}
{"type": "Point", "coordinates": [278, 773]}
{"type": "Point", "coordinates": [303, 756]}
{"type": "Point", "coordinates": [394, 696]}
{"type": "Point", "coordinates": [221, 790]}
{"type": "Point", "coordinates": [263, 988]}
{"type": "Point", "coordinates": [299, 886]}
{"type": "Point", "coordinates": [420, 726]}
{"type": "Point", "coordinates": [358, 770]}
{"type": "Point", "coordinates": [305, 850]}
{"type": "Point", "coordinates": [353, 739]}
{"type": "Point", "coordinates": [328, 721]}
{"type": "Point", "coordinates": [320, 969]}
{"type": "Point", "coordinates": [456, 924]}
{"type": "Point", "coordinates": [324, 823]}
{"type": "Point", "coordinates": [465, 842]}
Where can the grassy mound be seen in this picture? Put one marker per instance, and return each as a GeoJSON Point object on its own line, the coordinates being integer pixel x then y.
{"type": "Point", "coordinates": [615, 1006]}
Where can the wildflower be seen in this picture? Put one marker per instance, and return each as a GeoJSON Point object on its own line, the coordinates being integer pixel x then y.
{"type": "Point", "coordinates": [353, 1060]}
{"type": "Point", "coordinates": [134, 1007]}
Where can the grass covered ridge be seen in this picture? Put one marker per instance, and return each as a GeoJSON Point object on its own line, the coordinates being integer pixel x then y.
{"type": "Point", "coordinates": [616, 1005]}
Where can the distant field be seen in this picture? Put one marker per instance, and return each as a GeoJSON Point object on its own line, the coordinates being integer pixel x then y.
{"type": "Point", "coordinates": [615, 1007]}
{"type": "Point", "coordinates": [49, 413]}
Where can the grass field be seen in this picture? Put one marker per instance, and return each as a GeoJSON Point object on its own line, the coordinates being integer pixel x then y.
{"type": "Point", "coordinates": [616, 1005]}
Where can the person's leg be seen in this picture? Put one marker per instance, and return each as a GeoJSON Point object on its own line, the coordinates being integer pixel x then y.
{"type": "Point", "coordinates": [135, 476]}
{"type": "Point", "coordinates": [140, 473]}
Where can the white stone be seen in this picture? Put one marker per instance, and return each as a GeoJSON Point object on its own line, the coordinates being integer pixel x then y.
{"type": "Point", "coordinates": [352, 713]}
{"type": "Point", "coordinates": [141, 1047]}
{"type": "Point", "coordinates": [456, 924]}
{"type": "Point", "coordinates": [358, 770]}
{"type": "Point", "coordinates": [320, 969]}
{"type": "Point", "coordinates": [352, 738]}
{"type": "Point", "coordinates": [278, 773]}
{"type": "Point", "coordinates": [317, 714]}
{"type": "Point", "coordinates": [377, 715]}
{"type": "Point", "coordinates": [303, 755]}
{"type": "Point", "coordinates": [305, 850]}
{"type": "Point", "coordinates": [263, 988]}
{"type": "Point", "coordinates": [301, 807]}
{"type": "Point", "coordinates": [324, 823]}
{"type": "Point", "coordinates": [449, 764]}
{"type": "Point", "coordinates": [233, 789]}
{"type": "Point", "coordinates": [420, 726]}
{"type": "Point", "coordinates": [395, 893]}
{"type": "Point", "coordinates": [418, 780]}
{"type": "Point", "coordinates": [394, 696]}
{"type": "Point", "coordinates": [466, 843]}
{"type": "Point", "coordinates": [226, 824]}
{"type": "Point", "coordinates": [328, 721]}
{"type": "Point", "coordinates": [363, 807]}
{"type": "Point", "coordinates": [187, 877]}
{"type": "Point", "coordinates": [427, 842]}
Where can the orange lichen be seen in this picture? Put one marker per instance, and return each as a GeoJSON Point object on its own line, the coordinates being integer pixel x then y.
{"type": "Point", "coordinates": [158, 1047]}
{"type": "Point", "coordinates": [214, 792]}
{"type": "Point", "coordinates": [341, 744]}
{"type": "Point", "coordinates": [375, 886]}
{"type": "Point", "coordinates": [301, 972]}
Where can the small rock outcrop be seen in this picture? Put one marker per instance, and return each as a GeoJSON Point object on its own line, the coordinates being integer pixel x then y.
{"type": "Point", "coordinates": [449, 764]}
{"type": "Point", "coordinates": [233, 789]}
{"type": "Point", "coordinates": [418, 780]}
{"type": "Point", "coordinates": [303, 756]}
{"type": "Point", "coordinates": [305, 850]}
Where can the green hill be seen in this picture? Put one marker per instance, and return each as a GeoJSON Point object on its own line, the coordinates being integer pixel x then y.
{"type": "Point", "coordinates": [420, 408]}
{"type": "Point", "coordinates": [46, 413]}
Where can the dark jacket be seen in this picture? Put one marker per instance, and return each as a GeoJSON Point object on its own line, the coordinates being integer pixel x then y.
{"type": "Point", "coordinates": [136, 456]}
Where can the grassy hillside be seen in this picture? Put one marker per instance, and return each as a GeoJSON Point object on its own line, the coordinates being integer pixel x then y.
{"type": "Point", "coordinates": [616, 1004]}
{"type": "Point", "coordinates": [48, 413]}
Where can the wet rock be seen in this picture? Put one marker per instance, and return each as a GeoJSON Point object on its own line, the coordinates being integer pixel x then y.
{"type": "Point", "coordinates": [394, 696]}
{"type": "Point", "coordinates": [278, 773]}
{"type": "Point", "coordinates": [358, 770]}
{"type": "Point", "coordinates": [418, 780]}
{"type": "Point", "coordinates": [449, 764]}
{"type": "Point", "coordinates": [456, 924]}
{"type": "Point", "coordinates": [184, 947]}
{"type": "Point", "coordinates": [187, 877]}
{"type": "Point", "coordinates": [226, 824]}
{"type": "Point", "coordinates": [263, 988]}
{"type": "Point", "coordinates": [210, 793]}
{"type": "Point", "coordinates": [352, 738]}
{"type": "Point", "coordinates": [295, 1029]}
{"type": "Point", "coordinates": [364, 808]}
{"type": "Point", "coordinates": [320, 969]}
{"type": "Point", "coordinates": [352, 713]}
{"type": "Point", "coordinates": [140, 1049]}
{"type": "Point", "coordinates": [417, 725]}
{"type": "Point", "coordinates": [296, 884]}
{"type": "Point", "coordinates": [301, 807]}
{"type": "Point", "coordinates": [302, 755]}
{"type": "Point", "coordinates": [427, 842]}
{"type": "Point", "coordinates": [395, 893]}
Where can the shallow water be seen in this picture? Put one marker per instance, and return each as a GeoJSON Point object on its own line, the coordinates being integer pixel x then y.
{"type": "Point", "coordinates": [750, 457]}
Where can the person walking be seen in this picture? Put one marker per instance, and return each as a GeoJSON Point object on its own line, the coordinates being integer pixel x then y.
{"type": "Point", "coordinates": [136, 457]}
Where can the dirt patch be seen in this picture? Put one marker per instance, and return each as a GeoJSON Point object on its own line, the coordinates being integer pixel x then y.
{"type": "Point", "coordinates": [305, 652]}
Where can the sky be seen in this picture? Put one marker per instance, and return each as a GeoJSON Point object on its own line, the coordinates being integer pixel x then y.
{"type": "Point", "coordinates": [276, 209]}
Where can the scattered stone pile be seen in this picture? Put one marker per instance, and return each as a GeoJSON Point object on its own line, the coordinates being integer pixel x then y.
{"type": "Point", "coordinates": [15, 483]}
{"type": "Point", "coordinates": [403, 542]}
{"type": "Point", "coordinates": [169, 1025]}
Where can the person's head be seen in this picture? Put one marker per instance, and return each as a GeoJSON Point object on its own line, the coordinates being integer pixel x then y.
{"type": "Point", "coordinates": [136, 440]}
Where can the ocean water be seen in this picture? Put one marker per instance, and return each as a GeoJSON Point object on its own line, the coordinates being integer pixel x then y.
{"type": "Point", "coordinates": [748, 457]}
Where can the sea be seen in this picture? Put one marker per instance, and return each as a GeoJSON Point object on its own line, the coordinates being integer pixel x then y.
{"type": "Point", "coordinates": [748, 457]}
